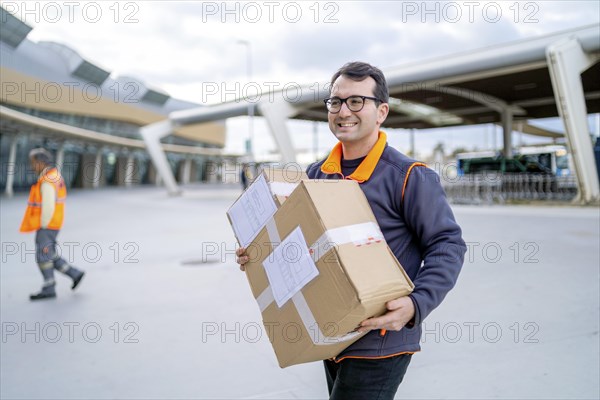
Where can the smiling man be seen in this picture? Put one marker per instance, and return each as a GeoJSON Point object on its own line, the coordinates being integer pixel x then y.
{"type": "Point", "coordinates": [411, 209]}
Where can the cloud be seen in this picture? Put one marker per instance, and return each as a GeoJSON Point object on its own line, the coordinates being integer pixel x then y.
{"type": "Point", "coordinates": [174, 43]}
{"type": "Point", "coordinates": [179, 45]}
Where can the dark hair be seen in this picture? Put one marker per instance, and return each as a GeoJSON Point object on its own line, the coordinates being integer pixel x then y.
{"type": "Point", "coordinates": [359, 71]}
{"type": "Point", "coordinates": [41, 155]}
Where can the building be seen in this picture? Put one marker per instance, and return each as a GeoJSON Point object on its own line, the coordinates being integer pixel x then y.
{"type": "Point", "coordinates": [51, 96]}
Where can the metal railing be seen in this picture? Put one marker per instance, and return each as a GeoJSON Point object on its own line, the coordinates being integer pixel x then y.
{"type": "Point", "coordinates": [498, 188]}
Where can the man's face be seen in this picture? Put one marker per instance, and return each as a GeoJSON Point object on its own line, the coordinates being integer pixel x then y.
{"type": "Point", "coordinates": [349, 126]}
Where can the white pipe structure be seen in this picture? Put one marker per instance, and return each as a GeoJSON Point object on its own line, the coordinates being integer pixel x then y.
{"type": "Point", "coordinates": [275, 109]}
{"type": "Point", "coordinates": [436, 74]}
{"type": "Point", "coordinates": [567, 61]}
{"type": "Point", "coordinates": [152, 134]}
{"type": "Point", "coordinates": [60, 156]}
{"type": "Point", "coordinates": [479, 63]}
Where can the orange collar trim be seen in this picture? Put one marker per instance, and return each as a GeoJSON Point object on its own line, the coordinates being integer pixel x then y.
{"type": "Point", "coordinates": [333, 164]}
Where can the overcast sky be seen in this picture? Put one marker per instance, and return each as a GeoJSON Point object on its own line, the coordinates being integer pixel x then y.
{"type": "Point", "coordinates": [181, 47]}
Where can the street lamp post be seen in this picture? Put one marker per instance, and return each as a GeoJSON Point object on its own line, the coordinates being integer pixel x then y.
{"type": "Point", "coordinates": [250, 105]}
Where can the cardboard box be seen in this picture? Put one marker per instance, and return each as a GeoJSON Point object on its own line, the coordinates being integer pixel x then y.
{"type": "Point", "coordinates": [283, 181]}
{"type": "Point", "coordinates": [311, 312]}
{"type": "Point", "coordinates": [260, 200]}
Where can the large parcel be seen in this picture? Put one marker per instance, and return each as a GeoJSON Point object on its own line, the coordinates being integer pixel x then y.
{"type": "Point", "coordinates": [319, 265]}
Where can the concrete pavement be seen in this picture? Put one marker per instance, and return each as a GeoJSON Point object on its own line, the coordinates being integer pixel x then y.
{"type": "Point", "coordinates": [164, 312]}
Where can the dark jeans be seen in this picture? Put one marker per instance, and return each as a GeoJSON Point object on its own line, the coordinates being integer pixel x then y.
{"type": "Point", "coordinates": [365, 379]}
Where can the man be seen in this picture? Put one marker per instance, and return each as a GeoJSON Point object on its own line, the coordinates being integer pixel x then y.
{"type": "Point", "coordinates": [44, 216]}
{"type": "Point", "coordinates": [415, 218]}
{"type": "Point", "coordinates": [244, 176]}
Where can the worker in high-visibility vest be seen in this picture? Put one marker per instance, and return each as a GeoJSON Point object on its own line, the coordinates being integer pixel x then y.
{"type": "Point", "coordinates": [44, 216]}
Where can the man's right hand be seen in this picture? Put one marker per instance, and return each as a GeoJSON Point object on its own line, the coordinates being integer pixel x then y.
{"type": "Point", "coordinates": [242, 258]}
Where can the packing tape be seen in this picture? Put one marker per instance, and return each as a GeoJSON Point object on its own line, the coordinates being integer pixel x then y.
{"type": "Point", "coordinates": [282, 188]}
{"type": "Point", "coordinates": [308, 319]}
{"type": "Point", "coordinates": [273, 232]}
{"type": "Point", "coordinates": [265, 298]}
{"type": "Point", "coordinates": [359, 234]}
{"type": "Point", "coordinates": [313, 328]}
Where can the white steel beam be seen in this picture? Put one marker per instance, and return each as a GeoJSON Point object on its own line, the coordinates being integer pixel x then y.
{"type": "Point", "coordinates": [152, 134]}
{"type": "Point", "coordinates": [277, 113]}
{"type": "Point", "coordinates": [566, 62]}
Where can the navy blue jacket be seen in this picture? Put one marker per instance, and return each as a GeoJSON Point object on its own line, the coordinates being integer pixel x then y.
{"type": "Point", "coordinates": [412, 211]}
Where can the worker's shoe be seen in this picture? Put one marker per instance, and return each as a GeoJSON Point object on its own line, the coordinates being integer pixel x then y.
{"type": "Point", "coordinates": [47, 292]}
{"type": "Point", "coordinates": [77, 279]}
{"type": "Point", "coordinates": [70, 271]}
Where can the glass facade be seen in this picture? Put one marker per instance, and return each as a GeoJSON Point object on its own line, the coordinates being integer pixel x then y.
{"type": "Point", "coordinates": [79, 168]}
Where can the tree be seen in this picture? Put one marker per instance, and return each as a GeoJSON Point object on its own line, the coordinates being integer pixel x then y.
{"type": "Point", "coordinates": [459, 150]}
{"type": "Point", "coordinates": [439, 147]}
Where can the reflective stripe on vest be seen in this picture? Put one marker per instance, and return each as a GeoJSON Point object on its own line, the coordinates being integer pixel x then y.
{"type": "Point", "coordinates": [32, 220]}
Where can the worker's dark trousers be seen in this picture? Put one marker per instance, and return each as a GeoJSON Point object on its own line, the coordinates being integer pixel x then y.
{"type": "Point", "coordinates": [48, 258]}
{"type": "Point", "coordinates": [362, 379]}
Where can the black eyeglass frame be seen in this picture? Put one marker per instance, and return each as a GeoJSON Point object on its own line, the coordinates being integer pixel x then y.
{"type": "Point", "coordinates": [345, 101]}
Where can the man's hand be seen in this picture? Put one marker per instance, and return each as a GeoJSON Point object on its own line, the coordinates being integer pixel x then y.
{"type": "Point", "coordinates": [400, 311]}
{"type": "Point", "coordinates": [242, 257]}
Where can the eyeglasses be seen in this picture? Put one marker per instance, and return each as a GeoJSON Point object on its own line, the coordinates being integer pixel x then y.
{"type": "Point", "coordinates": [354, 103]}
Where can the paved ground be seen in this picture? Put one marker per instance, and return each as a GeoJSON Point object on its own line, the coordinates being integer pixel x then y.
{"type": "Point", "coordinates": [151, 320]}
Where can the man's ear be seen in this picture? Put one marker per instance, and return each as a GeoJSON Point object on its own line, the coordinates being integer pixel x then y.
{"type": "Point", "coordinates": [382, 112]}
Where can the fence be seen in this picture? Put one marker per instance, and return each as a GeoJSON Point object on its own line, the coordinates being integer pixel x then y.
{"type": "Point", "coordinates": [499, 188]}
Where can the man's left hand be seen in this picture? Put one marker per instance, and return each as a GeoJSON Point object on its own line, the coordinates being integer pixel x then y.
{"type": "Point", "coordinates": [400, 311]}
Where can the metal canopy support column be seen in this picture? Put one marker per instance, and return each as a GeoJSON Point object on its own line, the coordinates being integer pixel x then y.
{"type": "Point", "coordinates": [151, 135]}
{"type": "Point", "coordinates": [60, 156]}
{"type": "Point", "coordinates": [98, 173]}
{"type": "Point", "coordinates": [507, 125]}
{"type": "Point", "coordinates": [276, 113]}
{"type": "Point", "coordinates": [566, 61]}
{"type": "Point", "coordinates": [11, 167]}
{"type": "Point", "coordinates": [507, 111]}
{"type": "Point", "coordinates": [130, 170]}
{"type": "Point", "coordinates": [186, 171]}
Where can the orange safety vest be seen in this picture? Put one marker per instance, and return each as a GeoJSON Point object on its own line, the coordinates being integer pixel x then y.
{"type": "Point", "coordinates": [32, 220]}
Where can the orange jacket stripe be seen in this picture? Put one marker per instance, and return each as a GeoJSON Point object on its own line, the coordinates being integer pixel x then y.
{"type": "Point", "coordinates": [415, 164]}
{"type": "Point", "coordinates": [333, 164]}
{"type": "Point", "coordinates": [32, 220]}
